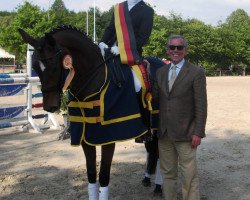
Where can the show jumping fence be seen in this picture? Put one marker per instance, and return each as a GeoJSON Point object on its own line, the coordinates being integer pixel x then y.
{"type": "Point", "coordinates": [21, 115]}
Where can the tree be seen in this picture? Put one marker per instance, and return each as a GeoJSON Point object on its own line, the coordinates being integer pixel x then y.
{"type": "Point", "coordinates": [238, 24]}
{"type": "Point", "coordinates": [103, 21]}
{"type": "Point", "coordinates": [209, 46]}
{"type": "Point", "coordinates": [78, 20]}
{"type": "Point", "coordinates": [201, 40]}
{"type": "Point", "coordinates": [162, 28]}
{"type": "Point", "coordinates": [58, 6]}
{"type": "Point", "coordinates": [30, 18]}
{"type": "Point", "coordinates": [60, 13]}
{"type": "Point", "coordinates": [6, 19]}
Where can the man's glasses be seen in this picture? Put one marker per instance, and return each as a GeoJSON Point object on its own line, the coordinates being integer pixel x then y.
{"type": "Point", "coordinates": [173, 47]}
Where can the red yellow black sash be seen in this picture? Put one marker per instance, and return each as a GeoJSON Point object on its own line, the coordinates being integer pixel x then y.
{"type": "Point", "coordinates": [125, 35]}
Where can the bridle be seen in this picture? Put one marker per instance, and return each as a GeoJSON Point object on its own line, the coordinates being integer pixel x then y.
{"type": "Point", "coordinates": [90, 75]}
{"type": "Point", "coordinates": [53, 60]}
{"type": "Point", "coordinates": [57, 54]}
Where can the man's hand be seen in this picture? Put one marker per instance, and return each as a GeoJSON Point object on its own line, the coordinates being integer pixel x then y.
{"type": "Point", "coordinates": [196, 141]}
{"type": "Point", "coordinates": [102, 47]}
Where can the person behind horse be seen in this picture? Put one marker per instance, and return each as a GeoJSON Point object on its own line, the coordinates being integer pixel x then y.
{"type": "Point", "coordinates": [153, 165]}
{"type": "Point", "coordinates": [151, 141]}
{"type": "Point", "coordinates": [182, 120]}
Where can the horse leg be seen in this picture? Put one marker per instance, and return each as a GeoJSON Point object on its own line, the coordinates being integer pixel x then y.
{"type": "Point", "coordinates": [90, 155]}
{"type": "Point", "coordinates": [104, 176]}
{"type": "Point", "coordinates": [107, 152]}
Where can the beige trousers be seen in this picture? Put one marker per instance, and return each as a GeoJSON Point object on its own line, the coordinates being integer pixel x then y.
{"type": "Point", "coordinates": [171, 155]}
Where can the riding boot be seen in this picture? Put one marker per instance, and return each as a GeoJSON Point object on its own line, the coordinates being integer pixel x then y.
{"type": "Point", "coordinates": [93, 191]}
{"type": "Point", "coordinates": [104, 193]}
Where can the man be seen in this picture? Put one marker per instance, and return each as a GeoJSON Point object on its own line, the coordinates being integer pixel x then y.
{"type": "Point", "coordinates": [182, 119]}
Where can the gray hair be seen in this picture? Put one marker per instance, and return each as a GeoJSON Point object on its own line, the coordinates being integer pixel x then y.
{"type": "Point", "coordinates": [185, 43]}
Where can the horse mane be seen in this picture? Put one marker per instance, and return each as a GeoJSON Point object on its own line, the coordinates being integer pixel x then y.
{"type": "Point", "coordinates": [67, 27]}
{"type": "Point", "coordinates": [71, 28]}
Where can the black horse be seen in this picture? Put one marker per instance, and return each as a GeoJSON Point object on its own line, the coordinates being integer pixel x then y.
{"type": "Point", "coordinates": [98, 116]}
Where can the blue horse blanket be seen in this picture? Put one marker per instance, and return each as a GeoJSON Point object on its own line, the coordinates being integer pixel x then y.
{"type": "Point", "coordinates": [110, 116]}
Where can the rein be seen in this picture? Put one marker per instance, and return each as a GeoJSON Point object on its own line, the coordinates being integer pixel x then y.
{"type": "Point", "coordinates": [104, 61]}
{"type": "Point", "coordinates": [55, 59]}
{"type": "Point", "coordinates": [58, 53]}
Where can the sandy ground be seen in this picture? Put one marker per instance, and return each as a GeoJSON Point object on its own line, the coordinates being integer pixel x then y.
{"type": "Point", "coordinates": [38, 166]}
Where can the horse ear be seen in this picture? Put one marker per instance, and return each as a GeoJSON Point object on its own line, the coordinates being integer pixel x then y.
{"type": "Point", "coordinates": [27, 38]}
{"type": "Point", "coordinates": [50, 39]}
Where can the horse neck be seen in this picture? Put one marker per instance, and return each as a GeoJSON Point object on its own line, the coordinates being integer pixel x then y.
{"type": "Point", "coordinates": [87, 62]}
{"type": "Point", "coordinates": [89, 78]}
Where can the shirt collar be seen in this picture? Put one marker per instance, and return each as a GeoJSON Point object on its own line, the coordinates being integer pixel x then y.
{"type": "Point", "coordinates": [132, 3]}
{"type": "Point", "coordinates": [179, 65]}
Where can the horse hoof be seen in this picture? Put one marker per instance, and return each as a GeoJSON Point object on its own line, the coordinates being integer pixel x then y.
{"type": "Point", "coordinates": [146, 182]}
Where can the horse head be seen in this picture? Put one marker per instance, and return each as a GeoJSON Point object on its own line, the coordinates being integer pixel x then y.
{"type": "Point", "coordinates": [46, 61]}
{"type": "Point", "coordinates": [57, 52]}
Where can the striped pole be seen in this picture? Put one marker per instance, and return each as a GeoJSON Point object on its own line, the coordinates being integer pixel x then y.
{"type": "Point", "coordinates": [37, 95]}
{"type": "Point", "coordinates": [12, 124]}
{"type": "Point", "coordinates": [10, 116]}
{"type": "Point", "coordinates": [13, 75]}
{"type": "Point", "coordinates": [19, 80]}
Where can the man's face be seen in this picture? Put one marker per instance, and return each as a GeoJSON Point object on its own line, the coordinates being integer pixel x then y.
{"type": "Point", "coordinates": [176, 50]}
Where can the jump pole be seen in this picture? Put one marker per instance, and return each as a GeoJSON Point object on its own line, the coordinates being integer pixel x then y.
{"type": "Point", "coordinates": [9, 79]}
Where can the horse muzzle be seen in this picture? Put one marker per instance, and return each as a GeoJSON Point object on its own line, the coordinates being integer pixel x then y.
{"type": "Point", "coordinates": [51, 101]}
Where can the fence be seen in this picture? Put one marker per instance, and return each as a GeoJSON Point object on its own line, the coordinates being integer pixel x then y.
{"type": "Point", "coordinates": [21, 85]}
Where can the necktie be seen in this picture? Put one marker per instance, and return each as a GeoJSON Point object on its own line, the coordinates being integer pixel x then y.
{"type": "Point", "coordinates": [172, 78]}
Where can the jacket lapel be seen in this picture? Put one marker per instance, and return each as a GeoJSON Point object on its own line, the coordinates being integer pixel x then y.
{"type": "Point", "coordinates": [181, 75]}
{"type": "Point", "coordinates": [165, 78]}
